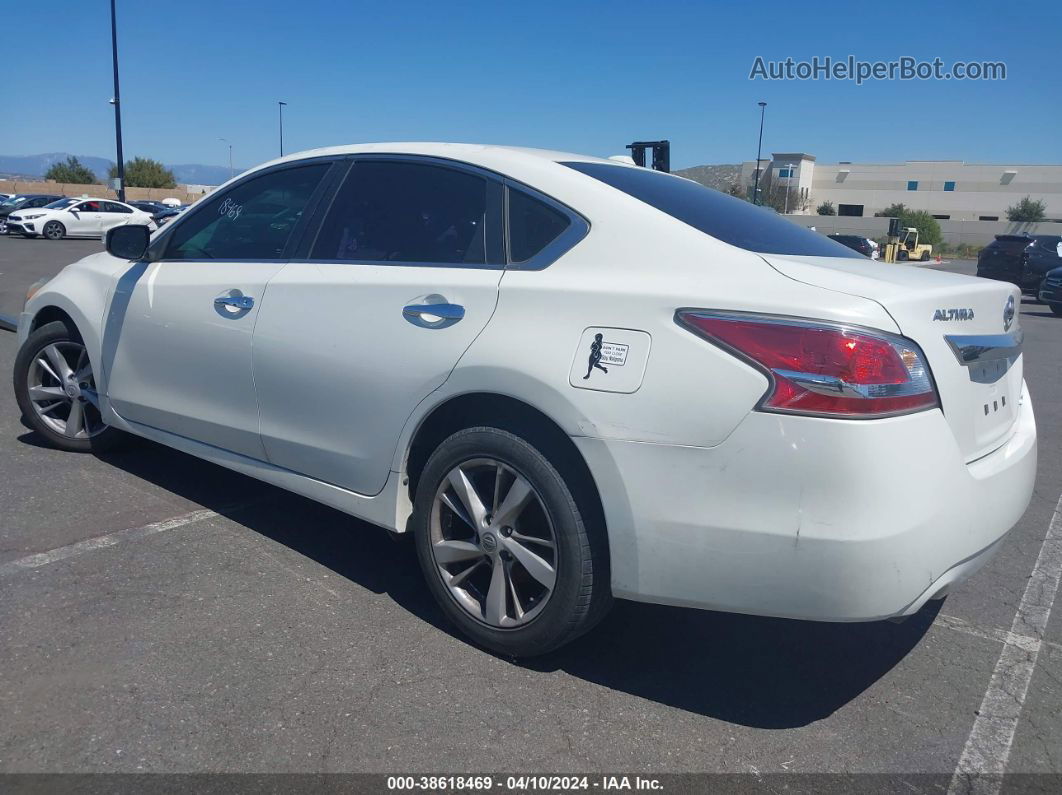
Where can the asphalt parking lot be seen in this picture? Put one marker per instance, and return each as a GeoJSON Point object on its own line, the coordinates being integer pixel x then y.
{"type": "Point", "coordinates": [159, 613]}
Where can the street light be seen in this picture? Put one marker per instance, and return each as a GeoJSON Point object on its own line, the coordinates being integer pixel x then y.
{"type": "Point", "coordinates": [231, 172]}
{"type": "Point", "coordinates": [116, 101]}
{"type": "Point", "coordinates": [759, 147]}
{"type": "Point", "coordinates": [280, 108]}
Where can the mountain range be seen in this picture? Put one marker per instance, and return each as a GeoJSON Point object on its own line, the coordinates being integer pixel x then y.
{"type": "Point", "coordinates": [35, 166]}
{"type": "Point", "coordinates": [718, 176]}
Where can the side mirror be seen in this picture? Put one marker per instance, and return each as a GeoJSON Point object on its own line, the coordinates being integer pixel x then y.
{"type": "Point", "coordinates": [129, 241]}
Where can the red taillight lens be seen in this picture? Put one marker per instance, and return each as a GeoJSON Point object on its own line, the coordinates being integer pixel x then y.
{"type": "Point", "coordinates": [825, 369]}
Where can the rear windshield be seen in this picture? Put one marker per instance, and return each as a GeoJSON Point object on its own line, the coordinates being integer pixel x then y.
{"type": "Point", "coordinates": [726, 218]}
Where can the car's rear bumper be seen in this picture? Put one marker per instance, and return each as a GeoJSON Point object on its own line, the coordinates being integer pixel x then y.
{"type": "Point", "coordinates": [809, 518]}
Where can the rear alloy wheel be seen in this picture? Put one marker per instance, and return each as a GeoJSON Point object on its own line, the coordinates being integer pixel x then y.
{"type": "Point", "coordinates": [3, 226]}
{"type": "Point", "coordinates": [53, 230]}
{"type": "Point", "coordinates": [56, 391]}
{"type": "Point", "coordinates": [504, 546]}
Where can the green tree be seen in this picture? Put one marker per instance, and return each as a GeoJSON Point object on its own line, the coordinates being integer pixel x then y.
{"type": "Point", "coordinates": [1027, 210]}
{"type": "Point", "coordinates": [72, 172]}
{"type": "Point", "coordinates": [143, 172]}
{"type": "Point", "coordinates": [826, 208]}
{"type": "Point", "coordinates": [892, 211]}
{"type": "Point", "coordinates": [926, 224]}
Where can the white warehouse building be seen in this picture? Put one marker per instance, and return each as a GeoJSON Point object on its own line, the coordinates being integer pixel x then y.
{"type": "Point", "coordinates": [947, 189]}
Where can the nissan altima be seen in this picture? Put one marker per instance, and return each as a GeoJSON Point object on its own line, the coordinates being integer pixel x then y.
{"type": "Point", "coordinates": [568, 379]}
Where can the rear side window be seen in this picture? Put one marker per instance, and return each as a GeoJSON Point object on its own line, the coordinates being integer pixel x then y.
{"type": "Point", "coordinates": [725, 218]}
{"type": "Point", "coordinates": [409, 213]}
{"type": "Point", "coordinates": [114, 207]}
{"type": "Point", "coordinates": [533, 225]}
{"type": "Point", "coordinates": [253, 220]}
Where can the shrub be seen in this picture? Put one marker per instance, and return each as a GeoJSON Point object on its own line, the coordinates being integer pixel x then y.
{"type": "Point", "coordinates": [143, 172]}
{"type": "Point", "coordinates": [1027, 210]}
{"type": "Point", "coordinates": [826, 208]}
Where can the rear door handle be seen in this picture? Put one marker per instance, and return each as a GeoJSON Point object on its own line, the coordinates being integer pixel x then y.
{"type": "Point", "coordinates": [235, 301]}
{"type": "Point", "coordinates": [452, 312]}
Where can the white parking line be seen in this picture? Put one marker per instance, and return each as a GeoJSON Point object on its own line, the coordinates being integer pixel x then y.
{"type": "Point", "coordinates": [984, 757]}
{"type": "Point", "coordinates": [101, 542]}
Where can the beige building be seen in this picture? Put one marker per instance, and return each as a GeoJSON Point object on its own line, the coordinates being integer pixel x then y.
{"type": "Point", "coordinates": [947, 189]}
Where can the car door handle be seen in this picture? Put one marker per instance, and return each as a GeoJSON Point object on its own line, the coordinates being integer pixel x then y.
{"type": "Point", "coordinates": [234, 301]}
{"type": "Point", "coordinates": [445, 311]}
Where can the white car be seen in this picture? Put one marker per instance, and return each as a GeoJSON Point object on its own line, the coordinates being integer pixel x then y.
{"type": "Point", "coordinates": [75, 218]}
{"type": "Point", "coordinates": [568, 379]}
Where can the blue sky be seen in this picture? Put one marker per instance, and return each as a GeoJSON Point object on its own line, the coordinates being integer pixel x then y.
{"type": "Point", "coordinates": [579, 76]}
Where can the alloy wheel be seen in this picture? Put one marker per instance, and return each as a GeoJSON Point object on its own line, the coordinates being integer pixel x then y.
{"type": "Point", "coordinates": [62, 390]}
{"type": "Point", "coordinates": [493, 544]}
{"type": "Point", "coordinates": [53, 230]}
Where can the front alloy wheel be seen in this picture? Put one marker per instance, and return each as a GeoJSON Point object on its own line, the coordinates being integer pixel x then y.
{"type": "Point", "coordinates": [53, 230]}
{"type": "Point", "coordinates": [56, 390]}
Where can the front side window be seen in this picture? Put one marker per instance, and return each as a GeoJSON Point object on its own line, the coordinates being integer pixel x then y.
{"type": "Point", "coordinates": [406, 212]}
{"type": "Point", "coordinates": [87, 207]}
{"type": "Point", "coordinates": [533, 225]}
{"type": "Point", "coordinates": [252, 220]}
{"type": "Point", "coordinates": [723, 217]}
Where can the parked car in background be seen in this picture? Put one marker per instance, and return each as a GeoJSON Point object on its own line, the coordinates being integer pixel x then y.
{"type": "Point", "coordinates": [160, 213]}
{"type": "Point", "coordinates": [1051, 290]}
{"type": "Point", "coordinates": [864, 245]}
{"type": "Point", "coordinates": [464, 343]}
{"type": "Point", "coordinates": [23, 201]}
{"type": "Point", "coordinates": [76, 218]}
{"type": "Point", "coordinates": [1022, 260]}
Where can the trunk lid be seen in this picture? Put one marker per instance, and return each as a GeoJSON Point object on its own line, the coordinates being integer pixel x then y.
{"type": "Point", "coordinates": [980, 398]}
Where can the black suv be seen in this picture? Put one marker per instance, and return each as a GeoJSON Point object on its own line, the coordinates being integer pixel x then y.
{"type": "Point", "coordinates": [855, 242]}
{"type": "Point", "coordinates": [1023, 260]}
{"type": "Point", "coordinates": [23, 201]}
{"type": "Point", "coordinates": [1051, 290]}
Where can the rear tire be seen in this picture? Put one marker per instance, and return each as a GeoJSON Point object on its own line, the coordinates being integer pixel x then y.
{"type": "Point", "coordinates": [473, 547]}
{"type": "Point", "coordinates": [925, 256]}
{"type": "Point", "coordinates": [56, 391]}
{"type": "Point", "coordinates": [53, 230]}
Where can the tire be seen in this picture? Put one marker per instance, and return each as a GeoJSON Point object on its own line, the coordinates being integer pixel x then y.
{"type": "Point", "coordinates": [3, 226]}
{"type": "Point", "coordinates": [53, 230]}
{"type": "Point", "coordinates": [529, 625]}
{"type": "Point", "coordinates": [1056, 308]}
{"type": "Point", "coordinates": [902, 255]}
{"type": "Point", "coordinates": [51, 416]}
{"type": "Point", "coordinates": [925, 256]}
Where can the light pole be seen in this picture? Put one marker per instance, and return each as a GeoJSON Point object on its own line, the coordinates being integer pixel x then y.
{"type": "Point", "coordinates": [116, 101]}
{"type": "Point", "coordinates": [231, 172]}
{"type": "Point", "coordinates": [759, 147]}
{"type": "Point", "coordinates": [788, 184]}
{"type": "Point", "coordinates": [280, 108]}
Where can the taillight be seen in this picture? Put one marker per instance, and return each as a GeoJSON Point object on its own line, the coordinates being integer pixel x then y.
{"type": "Point", "coordinates": [823, 368]}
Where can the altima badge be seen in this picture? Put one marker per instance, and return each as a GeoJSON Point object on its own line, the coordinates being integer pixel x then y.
{"type": "Point", "coordinates": [953, 314]}
{"type": "Point", "coordinates": [1008, 314]}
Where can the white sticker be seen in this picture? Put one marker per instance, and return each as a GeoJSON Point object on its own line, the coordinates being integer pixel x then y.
{"type": "Point", "coordinates": [610, 360]}
{"type": "Point", "coordinates": [614, 353]}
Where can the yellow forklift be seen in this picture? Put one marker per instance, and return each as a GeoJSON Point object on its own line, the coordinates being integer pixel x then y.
{"type": "Point", "coordinates": [908, 247]}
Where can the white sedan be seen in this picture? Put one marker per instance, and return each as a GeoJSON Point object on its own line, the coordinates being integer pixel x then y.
{"type": "Point", "coordinates": [75, 218]}
{"type": "Point", "coordinates": [568, 379]}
